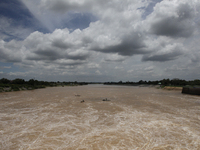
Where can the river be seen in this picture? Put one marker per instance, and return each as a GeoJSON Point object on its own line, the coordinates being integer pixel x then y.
{"type": "Point", "coordinates": [135, 118]}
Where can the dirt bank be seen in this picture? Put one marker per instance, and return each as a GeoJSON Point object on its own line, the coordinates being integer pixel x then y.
{"type": "Point", "coordinates": [173, 88]}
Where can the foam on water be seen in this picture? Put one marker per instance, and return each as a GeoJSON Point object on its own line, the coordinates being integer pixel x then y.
{"type": "Point", "coordinates": [135, 118]}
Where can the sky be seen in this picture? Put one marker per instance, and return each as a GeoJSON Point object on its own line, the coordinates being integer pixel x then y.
{"type": "Point", "coordinates": [100, 40]}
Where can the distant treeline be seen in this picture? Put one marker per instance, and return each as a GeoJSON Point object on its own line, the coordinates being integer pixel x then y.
{"type": "Point", "coordinates": [7, 85]}
{"type": "Point", "coordinates": [164, 82]}
{"type": "Point", "coordinates": [20, 84]}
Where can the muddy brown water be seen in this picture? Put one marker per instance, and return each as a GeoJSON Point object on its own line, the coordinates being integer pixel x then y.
{"type": "Point", "coordinates": [135, 118]}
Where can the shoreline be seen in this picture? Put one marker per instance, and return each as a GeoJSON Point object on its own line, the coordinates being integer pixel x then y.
{"type": "Point", "coordinates": [172, 88]}
{"type": "Point", "coordinates": [24, 88]}
{"type": "Point", "coordinates": [15, 88]}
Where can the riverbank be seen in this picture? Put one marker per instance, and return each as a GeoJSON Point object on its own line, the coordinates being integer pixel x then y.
{"type": "Point", "coordinates": [173, 88]}
{"type": "Point", "coordinates": [25, 87]}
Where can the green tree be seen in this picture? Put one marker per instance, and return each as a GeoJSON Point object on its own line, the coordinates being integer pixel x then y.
{"type": "Point", "coordinates": [18, 81]}
{"type": "Point", "coordinates": [4, 81]}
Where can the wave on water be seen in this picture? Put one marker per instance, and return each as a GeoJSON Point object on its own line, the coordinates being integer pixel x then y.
{"type": "Point", "coordinates": [142, 118]}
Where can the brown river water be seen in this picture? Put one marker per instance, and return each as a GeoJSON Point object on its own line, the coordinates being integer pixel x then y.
{"type": "Point", "coordinates": [135, 118]}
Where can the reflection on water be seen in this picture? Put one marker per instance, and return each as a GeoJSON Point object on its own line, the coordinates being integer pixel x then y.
{"type": "Point", "coordinates": [135, 118]}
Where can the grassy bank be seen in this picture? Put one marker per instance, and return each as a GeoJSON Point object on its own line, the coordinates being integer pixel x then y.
{"type": "Point", "coordinates": [20, 84]}
{"type": "Point", "coordinates": [16, 87]}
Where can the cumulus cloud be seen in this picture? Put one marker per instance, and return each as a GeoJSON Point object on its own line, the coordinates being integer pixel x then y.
{"type": "Point", "coordinates": [131, 32]}
{"type": "Point", "coordinates": [93, 66]}
{"type": "Point", "coordinates": [114, 58]}
{"type": "Point", "coordinates": [173, 18]}
{"type": "Point", "coordinates": [10, 51]}
{"type": "Point", "coordinates": [129, 45]}
{"type": "Point", "coordinates": [165, 53]}
{"type": "Point", "coordinates": [58, 45]}
{"type": "Point", "coordinates": [150, 68]}
{"type": "Point", "coordinates": [39, 47]}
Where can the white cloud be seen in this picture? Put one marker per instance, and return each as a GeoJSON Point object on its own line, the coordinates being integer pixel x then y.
{"type": "Point", "coordinates": [93, 66]}
{"type": "Point", "coordinates": [121, 34]}
{"type": "Point", "coordinates": [150, 68]}
{"type": "Point", "coordinates": [114, 58]}
{"type": "Point", "coordinates": [173, 18]}
{"type": "Point", "coordinates": [165, 53]}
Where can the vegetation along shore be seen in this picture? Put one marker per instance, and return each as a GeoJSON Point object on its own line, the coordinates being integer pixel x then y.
{"type": "Point", "coordinates": [7, 85]}
{"type": "Point", "coordinates": [20, 84]}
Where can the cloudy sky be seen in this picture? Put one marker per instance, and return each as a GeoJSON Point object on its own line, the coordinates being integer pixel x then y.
{"type": "Point", "coordinates": [100, 40]}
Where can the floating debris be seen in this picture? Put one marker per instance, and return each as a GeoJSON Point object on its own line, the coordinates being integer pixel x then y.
{"type": "Point", "coordinates": [105, 99]}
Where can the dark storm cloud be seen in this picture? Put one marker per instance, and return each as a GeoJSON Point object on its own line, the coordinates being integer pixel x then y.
{"type": "Point", "coordinates": [179, 25]}
{"type": "Point", "coordinates": [54, 54]}
{"type": "Point", "coordinates": [114, 60]}
{"type": "Point", "coordinates": [48, 54]}
{"type": "Point", "coordinates": [78, 56]}
{"type": "Point", "coordinates": [130, 45]}
{"type": "Point", "coordinates": [162, 57]}
{"type": "Point", "coordinates": [61, 44]}
{"type": "Point", "coordinates": [171, 27]}
{"type": "Point", "coordinates": [70, 63]}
